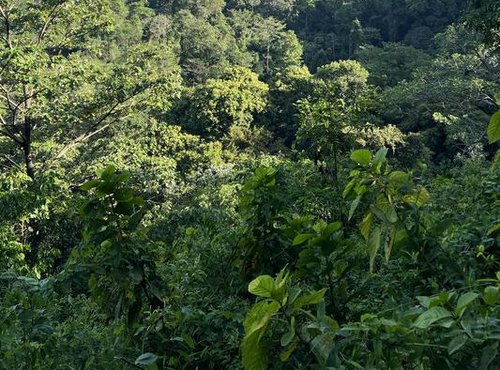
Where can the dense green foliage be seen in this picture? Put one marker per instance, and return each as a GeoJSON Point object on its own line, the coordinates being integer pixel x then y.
{"type": "Point", "coordinates": [257, 184]}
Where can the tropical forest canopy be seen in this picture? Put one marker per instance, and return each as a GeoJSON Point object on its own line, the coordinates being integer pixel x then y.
{"type": "Point", "coordinates": [249, 184]}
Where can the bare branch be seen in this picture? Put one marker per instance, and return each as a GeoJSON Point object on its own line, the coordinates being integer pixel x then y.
{"type": "Point", "coordinates": [12, 104]}
{"type": "Point", "coordinates": [7, 97]}
{"type": "Point", "coordinates": [128, 362]}
{"type": "Point", "coordinates": [50, 19]}
{"type": "Point", "coordinates": [8, 132]}
{"type": "Point", "coordinates": [79, 140]}
{"type": "Point", "coordinates": [11, 136]}
{"type": "Point", "coordinates": [94, 129]}
{"type": "Point", "coordinates": [11, 161]}
{"type": "Point", "coordinates": [5, 16]}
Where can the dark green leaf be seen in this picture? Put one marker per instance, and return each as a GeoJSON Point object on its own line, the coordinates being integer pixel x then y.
{"type": "Point", "coordinates": [491, 295]}
{"type": "Point", "coordinates": [464, 301]}
{"type": "Point", "coordinates": [354, 206]}
{"type": "Point", "coordinates": [373, 246]}
{"type": "Point", "coordinates": [430, 317]}
{"type": "Point", "coordinates": [457, 343]}
{"type": "Point", "coordinates": [488, 355]}
{"type": "Point", "coordinates": [147, 358]}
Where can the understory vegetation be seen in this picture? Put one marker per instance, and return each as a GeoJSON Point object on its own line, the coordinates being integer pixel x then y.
{"type": "Point", "coordinates": [249, 184]}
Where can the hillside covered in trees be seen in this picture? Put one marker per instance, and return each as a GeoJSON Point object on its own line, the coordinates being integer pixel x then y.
{"type": "Point", "coordinates": [249, 184]}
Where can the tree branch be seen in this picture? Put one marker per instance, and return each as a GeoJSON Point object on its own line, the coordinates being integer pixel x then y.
{"type": "Point", "coordinates": [5, 16]}
{"type": "Point", "coordinates": [8, 133]}
{"type": "Point", "coordinates": [80, 139]}
{"type": "Point", "coordinates": [11, 161]}
{"type": "Point", "coordinates": [128, 362]}
{"type": "Point", "coordinates": [7, 97]}
{"type": "Point", "coordinates": [50, 19]}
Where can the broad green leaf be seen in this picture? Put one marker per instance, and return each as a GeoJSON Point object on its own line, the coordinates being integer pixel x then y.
{"type": "Point", "coordinates": [309, 299]}
{"type": "Point", "coordinates": [287, 338]}
{"type": "Point", "coordinates": [440, 299]}
{"type": "Point", "coordinates": [349, 187]}
{"type": "Point", "coordinates": [279, 292]}
{"type": "Point", "coordinates": [331, 323]}
{"type": "Point", "coordinates": [380, 155]}
{"type": "Point", "coordinates": [390, 243]}
{"type": "Point", "coordinates": [322, 346]}
{"type": "Point", "coordinates": [488, 355]}
{"type": "Point", "coordinates": [447, 323]}
{"type": "Point", "coordinates": [491, 295]}
{"type": "Point", "coordinates": [360, 188]}
{"type": "Point", "coordinates": [262, 286]}
{"type": "Point", "coordinates": [332, 227]}
{"type": "Point", "coordinates": [254, 355]}
{"type": "Point", "coordinates": [190, 230]}
{"type": "Point", "coordinates": [285, 355]}
{"type": "Point", "coordinates": [494, 128]}
{"type": "Point", "coordinates": [366, 225]}
{"type": "Point", "coordinates": [259, 315]}
{"type": "Point", "coordinates": [354, 206]}
{"type": "Point", "coordinates": [361, 156]}
{"type": "Point", "coordinates": [90, 185]}
{"type": "Point", "coordinates": [383, 204]}
{"type": "Point", "coordinates": [106, 244]}
{"type": "Point", "coordinates": [464, 301]}
{"type": "Point", "coordinates": [321, 309]}
{"type": "Point", "coordinates": [457, 343]}
{"type": "Point", "coordinates": [146, 359]}
{"type": "Point", "coordinates": [419, 198]}
{"type": "Point", "coordinates": [430, 317]}
{"type": "Point", "coordinates": [373, 246]}
{"type": "Point", "coordinates": [398, 178]}
{"type": "Point", "coordinates": [106, 173]}
{"type": "Point", "coordinates": [293, 294]}
{"type": "Point", "coordinates": [188, 340]}
{"type": "Point", "coordinates": [301, 238]}
{"type": "Point", "coordinates": [424, 301]}
{"type": "Point", "coordinates": [492, 230]}
{"type": "Point", "coordinates": [377, 212]}
{"type": "Point", "coordinates": [319, 226]}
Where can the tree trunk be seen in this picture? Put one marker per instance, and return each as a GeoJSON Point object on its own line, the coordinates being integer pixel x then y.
{"type": "Point", "coordinates": [28, 159]}
{"type": "Point", "coordinates": [28, 156]}
{"type": "Point", "coordinates": [268, 56]}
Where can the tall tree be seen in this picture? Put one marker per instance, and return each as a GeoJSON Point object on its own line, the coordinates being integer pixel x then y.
{"type": "Point", "coordinates": [60, 80]}
{"type": "Point", "coordinates": [484, 16]}
{"type": "Point", "coordinates": [213, 107]}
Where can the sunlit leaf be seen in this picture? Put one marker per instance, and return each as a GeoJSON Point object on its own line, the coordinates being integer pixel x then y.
{"type": "Point", "coordinates": [262, 286]}
{"type": "Point", "coordinates": [361, 156]}
{"type": "Point", "coordinates": [494, 128]}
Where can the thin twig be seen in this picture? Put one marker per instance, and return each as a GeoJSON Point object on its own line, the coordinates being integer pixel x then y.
{"type": "Point", "coordinates": [11, 161]}
{"type": "Point", "coordinates": [128, 362]}
{"type": "Point", "coordinates": [50, 19]}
